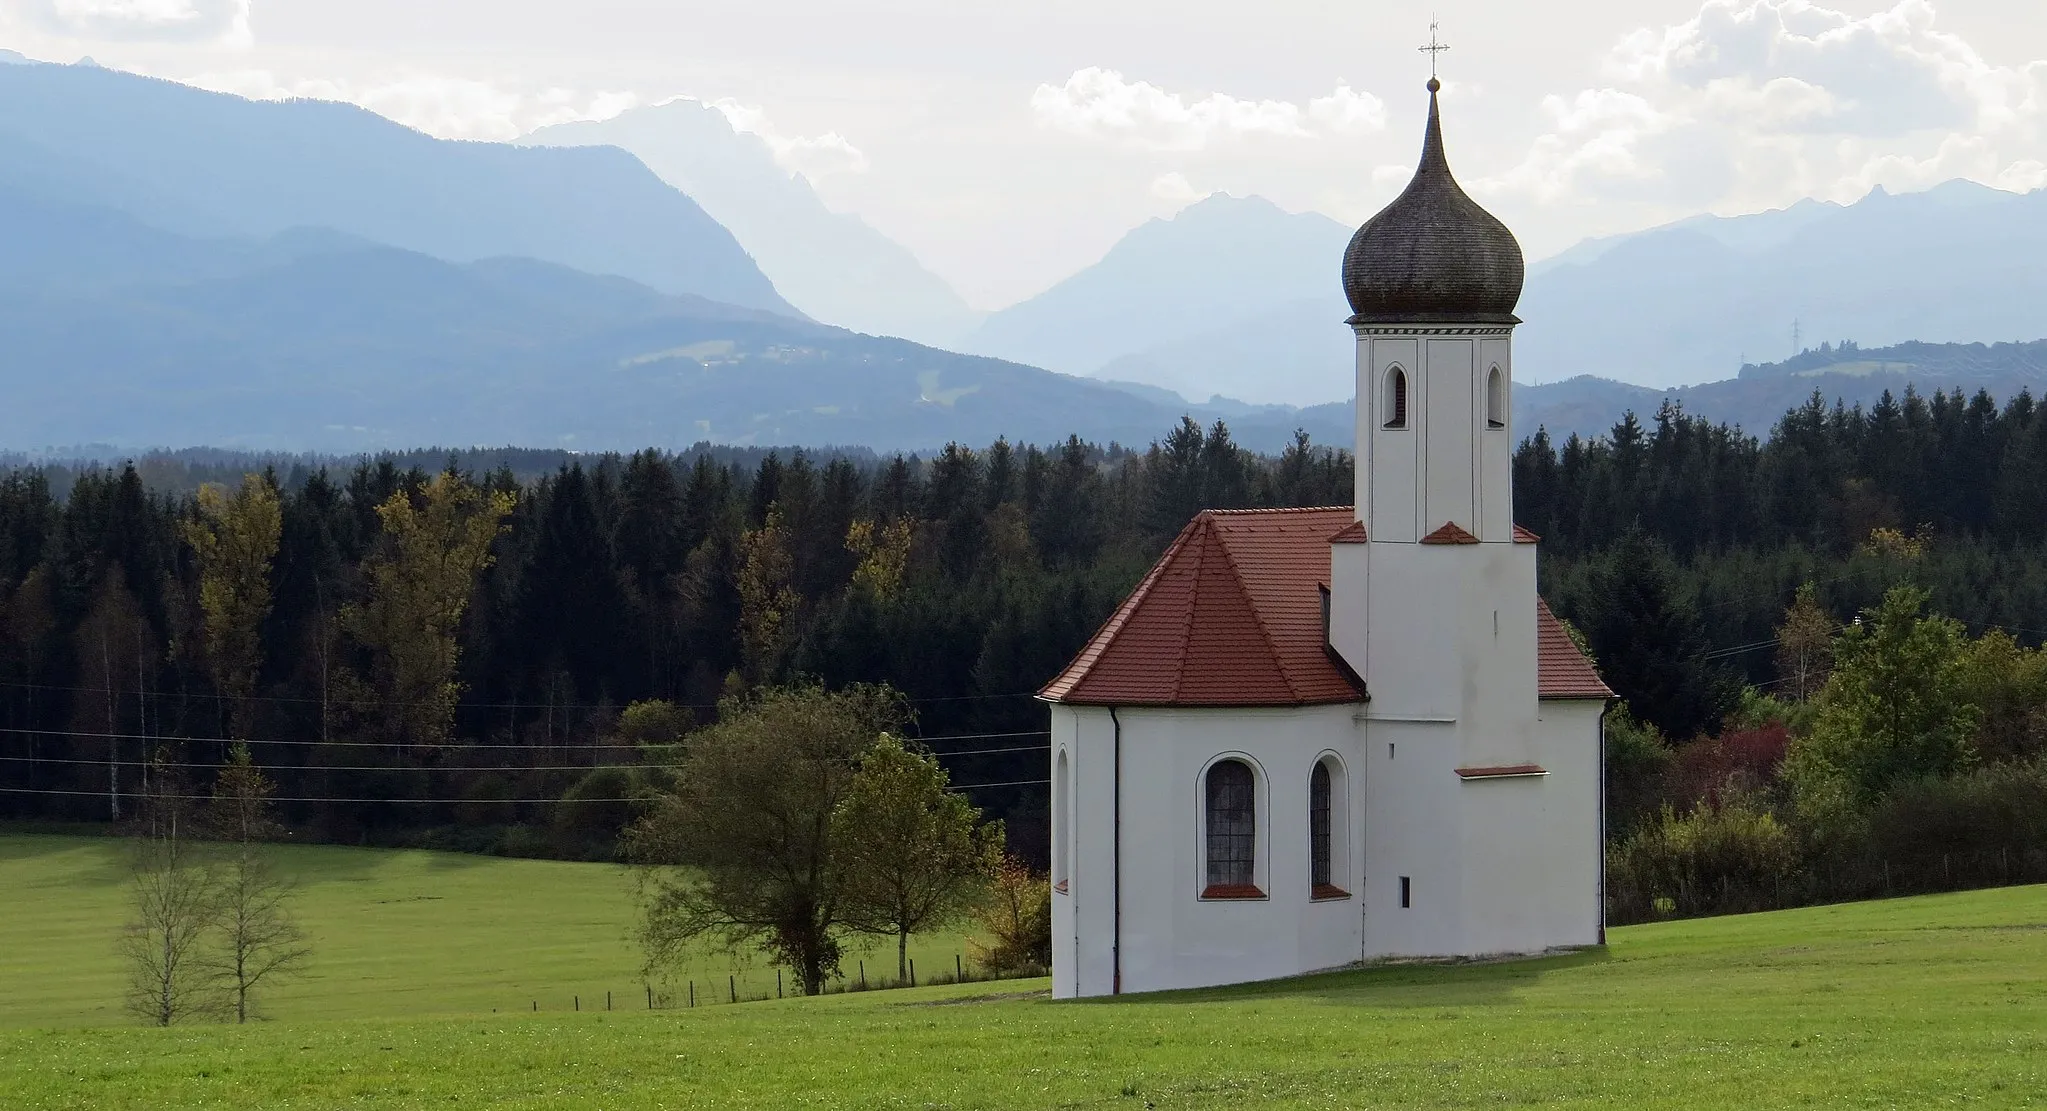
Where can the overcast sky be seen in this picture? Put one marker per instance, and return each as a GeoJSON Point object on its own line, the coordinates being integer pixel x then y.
{"type": "Point", "coordinates": [1008, 143]}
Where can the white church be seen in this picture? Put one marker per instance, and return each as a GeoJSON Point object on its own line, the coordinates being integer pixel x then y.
{"type": "Point", "coordinates": [1312, 737]}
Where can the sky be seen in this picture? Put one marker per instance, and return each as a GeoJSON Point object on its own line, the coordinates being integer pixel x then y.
{"type": "Point", "coordinates": [1009, 144]}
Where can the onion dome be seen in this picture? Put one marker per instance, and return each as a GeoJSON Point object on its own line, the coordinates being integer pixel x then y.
{"type": "Point", "coordinates": [1433, 255]}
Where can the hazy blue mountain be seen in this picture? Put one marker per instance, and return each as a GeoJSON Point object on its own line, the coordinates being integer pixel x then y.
{"type": "Point", "coordinates": [1209, 301]}
{"type": "Point", "coordinates": [1757, 397]}
{"type": "Point", "coordinates": [831, 265]}
{"type": "Point", "coordinates": [1692, 302]}
{"type": "Point", "coordinates": [1215, 301]}
{"type": "Point", "coordinates": [211, 165]}
{"type": "Point", "coordinates": [315, 340]}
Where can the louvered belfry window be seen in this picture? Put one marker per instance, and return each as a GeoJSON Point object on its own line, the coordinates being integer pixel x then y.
{"type": "Point", "coordinates": [1318, 825]}
{"type": "Point", "coordinates": [1232, 827]}
{"type": "Point", "coordinates": [1396, 398]}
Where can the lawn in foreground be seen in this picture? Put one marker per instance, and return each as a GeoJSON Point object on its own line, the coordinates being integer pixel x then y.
{"type": "Point", "coordinates": [394, 933]}
{"type": "Point", "coordinates": [1905, 1003]}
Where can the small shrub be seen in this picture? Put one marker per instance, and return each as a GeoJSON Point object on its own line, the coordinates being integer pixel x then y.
{"type": "Point", "coordinates": [1712, 860]}
{"type": "Point", "coordinates": [2003, 807]}
{"type": "Point", "coordinates": [1018, 917]}
{"type": "Point", "coordinates": [588, 818]}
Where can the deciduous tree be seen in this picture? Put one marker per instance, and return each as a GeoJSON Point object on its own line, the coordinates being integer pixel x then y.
{"type": "Point", "coordinates": [742, 847]}
{"type": "Point", "coordinates": [260, 941]}
{"type": "Point", "coordinates": [235, 537]}
{"type": "Point", "coordinates": [419, 585]}
{"type": "Point", "coordinates": [1894, 709]}
{"type": "Point", "coordinates": [913, 856]}
{"type": "Point", "coordinates": [174, 898]}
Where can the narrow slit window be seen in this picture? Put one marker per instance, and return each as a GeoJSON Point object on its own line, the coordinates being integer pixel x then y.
{"type": "Point", "coordinates": [1396, 398]}
{"type": "Point", "coordinates": [1232, 831]}
{"type": "Point", "coordinates": [1318, 827]}
{"type": "Point", "coordinates": [1496, 399]}
{"type": "Point", "coordinates": [1406, 892]}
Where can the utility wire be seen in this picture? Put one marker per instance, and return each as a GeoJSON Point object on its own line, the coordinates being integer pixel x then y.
{"type": "Point", "coordinates": [216, 696]}
{"type": "Point", "coordinates": [90, 734]}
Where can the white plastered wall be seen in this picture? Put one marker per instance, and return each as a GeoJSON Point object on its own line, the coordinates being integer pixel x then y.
{"type": "Point", "coordinates": [1171, 937]}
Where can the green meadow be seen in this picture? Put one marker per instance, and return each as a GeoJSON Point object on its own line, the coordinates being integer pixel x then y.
{"type": "Point", "coordinates": [1907, 1003]}
{"type": "Point", "coordinates": [394, 933]}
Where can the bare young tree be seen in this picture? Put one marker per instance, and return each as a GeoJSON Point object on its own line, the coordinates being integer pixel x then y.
{"type": "Point", "coordinates": [259, 939]}
{"type": "Point", "coordinates": [175, 906]}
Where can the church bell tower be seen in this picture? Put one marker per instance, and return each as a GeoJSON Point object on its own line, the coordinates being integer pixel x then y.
{"type": "Point", "coordinates": [1433, 281]}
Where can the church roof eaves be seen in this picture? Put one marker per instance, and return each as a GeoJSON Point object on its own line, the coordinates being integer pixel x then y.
{"type": "Point", "coordinates": [1231, 616]}
{"type": "Point", "coordinates": [1450, 533]}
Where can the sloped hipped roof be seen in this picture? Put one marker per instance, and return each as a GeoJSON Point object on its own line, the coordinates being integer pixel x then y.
{"type": "Point", "coordinates": [1231, 615]}
{"type": "Point", "coordinates": [1561, 671]}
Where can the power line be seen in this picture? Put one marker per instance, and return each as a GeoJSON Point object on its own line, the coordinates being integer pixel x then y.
{"type": "Point", "coordinates": [354, 702]}
{"type": "Point", "coordinates": [95, 735]}
{"type": "Point", "coordinates": [296, 768]}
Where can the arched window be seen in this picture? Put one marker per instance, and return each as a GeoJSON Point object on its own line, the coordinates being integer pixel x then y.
{"type": "Point", "coordinates": [1396, 398]}
{"type": "Point", "coordinates": [1062, 824]}
{"type": "Point", "coordinates": [1496, 399]}
{"type": "Point", "coordinates": [1318, 827]}
{"type": "Point", "coordinates": [1232, 832]}
{"type": "Point", "coordinates": [1328, 829]}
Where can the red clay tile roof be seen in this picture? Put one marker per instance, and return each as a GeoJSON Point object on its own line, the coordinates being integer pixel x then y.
{"type": "Point", "coordinates": [1353, 533]}
{"type": "Point", "coordinates": [1561, 671]}
{"type": "Point", "coordinates": [1523, 536]}
{"type": "Point", "coordinates": [1450, 533]}
{"type": "Point", "coordinates": [1231, 615]}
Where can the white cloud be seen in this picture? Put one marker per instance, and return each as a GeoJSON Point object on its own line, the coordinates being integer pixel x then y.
{"type": "Point", "coordinates": [1174, 189]}
{"type": "Point", "coordinates": [193, 21]}
{"type": "Point", "coordinates": [1752, 103]}
{"type": "Point", "coordinates": [448, 107]}
{"type": "Point", "coordinates": [812, 156]}
{"type": "Point", "coordinates": [1102, 103]}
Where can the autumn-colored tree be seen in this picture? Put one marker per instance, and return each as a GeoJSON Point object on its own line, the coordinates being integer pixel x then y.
{"type": "Point", "coordinates": [418, 585]}
{"type": "Point", "coordinates": [767, 601]}
{"type": "Point", "coordinates": [913, 855]}
{"type": "Point", "coordinates": [742, 847]}
{"type": "Point", "coordinates": [1017, 919]}
{"type": "Point", "coordinates": [1805, 645]}
{"type": "Point", "coordinates": [235, 537]}
{"type": "Point", "coordinates": [259, 939]}
{"type": "Point", "coordinates": [884, 551]}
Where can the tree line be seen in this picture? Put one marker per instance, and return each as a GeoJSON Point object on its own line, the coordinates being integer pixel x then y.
{"type": "Point", "coordinates": [463, 657]}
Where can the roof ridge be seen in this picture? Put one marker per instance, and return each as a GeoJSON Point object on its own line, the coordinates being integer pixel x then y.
{"type": "Point", "coordinates": [1258, 617]}
{"type": "Point", "coordinates": [1275, 509]}
{"type": "Point", "coordinates": [1197, 549]}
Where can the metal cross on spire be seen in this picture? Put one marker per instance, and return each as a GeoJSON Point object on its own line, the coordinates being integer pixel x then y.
{"type": "Point", "coordinates": [1433, 49]}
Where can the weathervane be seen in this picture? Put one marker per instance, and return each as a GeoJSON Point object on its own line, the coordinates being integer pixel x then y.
{"type": "Point", "coordinates": [1434, 48]}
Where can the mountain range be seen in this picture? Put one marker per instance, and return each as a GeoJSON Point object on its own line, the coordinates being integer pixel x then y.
{"type": "Point", "coordinates": [1234, 296]}
{"type": "Point", "coordinates": [205, 164]}
{"type": "Point", "coordinates": [1230, 296]}
{"type": "Point", "coordinates": [831, 265]}
{"type": "Point", "coordinates": [183, 267]}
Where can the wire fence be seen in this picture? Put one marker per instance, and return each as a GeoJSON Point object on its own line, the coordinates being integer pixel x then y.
{"type": "Point", "coordinates": [759, 985]}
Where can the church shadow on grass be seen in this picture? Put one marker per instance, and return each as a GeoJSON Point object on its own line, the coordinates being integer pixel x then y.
{"type": "Point", "coordinates": [1459, 983]}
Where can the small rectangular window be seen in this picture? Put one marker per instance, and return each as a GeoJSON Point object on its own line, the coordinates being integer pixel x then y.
{"type": "Point", "coordinates": [1406, 893]}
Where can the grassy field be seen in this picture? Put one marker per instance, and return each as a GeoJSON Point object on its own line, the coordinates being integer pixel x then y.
{"type": "Point", "coordinates": [1908, 1003]}
{"type": "Point", "coordinates": [394, 933]}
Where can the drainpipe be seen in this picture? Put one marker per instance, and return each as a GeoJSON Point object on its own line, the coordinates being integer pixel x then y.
{"type": "Point", "coordinates": [1116, 865]}
{"type": "Point", "coordinates": [1604, 709]}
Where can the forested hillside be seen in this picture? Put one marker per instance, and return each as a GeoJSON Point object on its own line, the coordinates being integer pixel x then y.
{"type": "Point", "coordinates": [448, 648]}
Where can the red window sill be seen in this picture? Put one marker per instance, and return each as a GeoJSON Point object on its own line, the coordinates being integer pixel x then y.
{"type": "Point", "coordinates": [1324, 892]}
{"type": "Point", "coordinates": [1232, 891]}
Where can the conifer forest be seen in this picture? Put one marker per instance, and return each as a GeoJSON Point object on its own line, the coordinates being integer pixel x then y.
{"type": "Point", "coordinates": [482, 651]}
